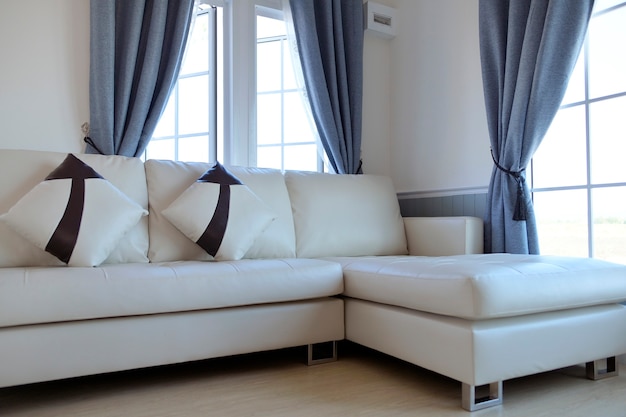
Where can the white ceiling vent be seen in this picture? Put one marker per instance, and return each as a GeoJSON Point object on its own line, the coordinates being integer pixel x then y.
{"type": "Point", "coordinates": [380, 20]}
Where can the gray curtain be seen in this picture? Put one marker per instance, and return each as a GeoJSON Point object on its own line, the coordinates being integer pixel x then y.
{"type": "Point", "coordinates": [528, 51]}
{"type": "Point", "coordinates": [136, 52]}
{"type": "Point", "coordinates": [329, 35]}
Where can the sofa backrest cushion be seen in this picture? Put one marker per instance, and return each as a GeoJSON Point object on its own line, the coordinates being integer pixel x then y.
{"type": "Point", "coordinates": [167, 180]}
{"type": "Point", "coordinates": [345, 215]}
{"type": "Point", "coordinates": [22, 170]}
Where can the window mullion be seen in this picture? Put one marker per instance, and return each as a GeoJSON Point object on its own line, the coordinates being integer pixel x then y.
{"type": "Point", "coordinates": [212, 84]}
{"type": "Point", "coordinates": [590, 231]}
{"type": "Point", "coordinates": [282, 105]}
{"type": "Point", "coordinates": [176, 113]}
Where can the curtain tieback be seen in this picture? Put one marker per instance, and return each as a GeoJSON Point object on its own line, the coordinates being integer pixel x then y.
{"type": "Point", "coordinates": [90, 141]}
{"type": "Point", "coordinates": [85, 128]}
{"type": "Point", "coordinates": [521, 210]}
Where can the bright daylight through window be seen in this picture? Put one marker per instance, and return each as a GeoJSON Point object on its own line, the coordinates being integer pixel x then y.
{"type": "Point", "coordinates": [188, 128]}
{"type": "Point", "coordinates": [578, 172]}
{"type": "Point", "coordinates": [285, 138]}
{"type": "Point", "coordinates": [192, 126]}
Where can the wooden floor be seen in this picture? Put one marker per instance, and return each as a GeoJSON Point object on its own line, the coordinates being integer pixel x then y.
{"type": "Point", "coordinates": [361, 383]}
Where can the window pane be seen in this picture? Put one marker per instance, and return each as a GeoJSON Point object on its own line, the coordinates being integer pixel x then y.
{"type": "Point", "coordinates": [267, 27]}
{"type": "Point", "coordinates": [297, 125]}
{"type": "Point", "coordinates": [608, 140]}
{"type": "Point", "coordinates": [166, 125]}
{"type": "Point", "coordinates": [196, 57]}
{"type": "Point", "coordinates": [189, 107]}
{"type": "Point", "coordinates": [268, 66]}
{"type": "Point", "coordinates": [301, 157]}
{"type": "Point", "coordinates": [600, 5]}
{"type": "Point", "coordinates": [193, 107]}
{"type": "Point", "coordinates": [561, 157]}
{"type": "Point", "coordinates": [269, 119]}
{"type": "Point", "coordinates": [193, 149]}
{"type": "Point", "coordinates": [161, 149]}
{"type": "Point", "coordinates": [607, 62]}
{"type": "Point", "coordinates": [269, 157]}
{"type": "Point", "coordinates": [609, 224]}
{"type": "Point", "coordinates": [281, 117]}
{"type": "Point", "coordinates": [576, 87]}
{"type": "Point", "coordinates": [562, 222]}
{"type": "Point", "coordinates": [289, 80]}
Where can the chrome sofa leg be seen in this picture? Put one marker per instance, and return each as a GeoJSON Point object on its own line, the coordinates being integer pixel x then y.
{"type": "Point", "coordinates": [601, 369]}
{"type": "Point", "coordinates": [471, 402]}
{"type": "Point", "coordinates": [324, 352]}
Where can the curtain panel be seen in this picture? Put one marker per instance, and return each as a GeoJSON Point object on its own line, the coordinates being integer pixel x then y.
{"type": "Point", "coordinates": [329, 35]}
{"type": "Point", "coordinates": [528, 51]}
{"type": "Point", "coordinates": [136, 52]}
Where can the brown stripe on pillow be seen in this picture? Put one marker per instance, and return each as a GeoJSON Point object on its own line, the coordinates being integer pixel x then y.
{"type": "Point", "coordinates": [219, 175]}
{"type": "Point", "coordinates": [72, 167]}
{"type": "Point", "coordinates": [212, 237]}
{"type": "Point", "coordinates": [63, 240]}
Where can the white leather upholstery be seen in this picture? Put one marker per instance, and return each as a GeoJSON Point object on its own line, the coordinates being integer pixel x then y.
{"type": "Point", "coordinates": [484, 286]}
{"type": "Point", "coordinates": [440, 236]}
{"type": "Point", "coordinates": [479, 352]}
{"type": "Point", "coordinates": [61, 350]}
{"type": "Point", "coordinates": [475, 318]}
{"type": "Point", "coordinates": [21, 170]}
{"type": "Point", "coordinates": [48, 295]}
{"type": "Point", "coordinates": [168, 179]}
{"type": "Point", "coordinates": [345, 215]}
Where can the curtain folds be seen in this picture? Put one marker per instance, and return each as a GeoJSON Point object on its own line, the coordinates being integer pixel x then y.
{"type": "Point", "coordinates": [329, 35]}
{"type": "Point", "coordinates": [136, 53]}
{"type": "Point", "coordinates": [528, 51]}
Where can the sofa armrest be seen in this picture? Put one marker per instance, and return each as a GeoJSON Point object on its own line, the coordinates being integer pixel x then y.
{"type": "Point", "coordinates": [440, 236]}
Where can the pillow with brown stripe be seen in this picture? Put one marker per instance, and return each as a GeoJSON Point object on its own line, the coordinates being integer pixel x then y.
{"type": "Point", "coordinates": [220, 214]}
{"type": "Point", "coordinates": [74, 214]}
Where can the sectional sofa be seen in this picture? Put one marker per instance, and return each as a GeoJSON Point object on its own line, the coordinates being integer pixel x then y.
{"type": "Point", "coordinates": [171, 262]}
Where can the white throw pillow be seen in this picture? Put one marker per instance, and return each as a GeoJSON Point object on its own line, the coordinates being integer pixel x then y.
{"type": "Point", "coordinates": [74, 214]}
{"type": "Point", "coordinates": [220, 214]}
{"type": "Point", "coordinates": [168, 179]}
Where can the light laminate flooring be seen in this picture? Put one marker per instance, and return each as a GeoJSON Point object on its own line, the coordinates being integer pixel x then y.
{"type": "Point", "coordinates": [361, 383]}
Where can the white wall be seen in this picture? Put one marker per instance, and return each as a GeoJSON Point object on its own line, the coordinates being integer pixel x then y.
{"type": "Point", "coordinates": [437, 124]}
{"type": "Point", "coordinates": [377, 105]}
{"type": "Point", "coordinates": [44, 80]}
{"type": "Point", "coordinates": [423, 121]}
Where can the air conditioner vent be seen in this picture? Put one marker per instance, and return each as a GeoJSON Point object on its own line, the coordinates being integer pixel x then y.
{"type": "Point", "coordinates": [380, 20]}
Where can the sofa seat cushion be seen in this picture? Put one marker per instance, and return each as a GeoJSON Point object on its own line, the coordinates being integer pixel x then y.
{"type": "Point", "coordinates": [484, 286]}
{"type": "Point", "coordinates": [56, 294]}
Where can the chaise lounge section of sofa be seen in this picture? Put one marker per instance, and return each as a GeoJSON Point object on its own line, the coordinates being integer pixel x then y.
{"type": "Point", "coordinates": [333, 259]}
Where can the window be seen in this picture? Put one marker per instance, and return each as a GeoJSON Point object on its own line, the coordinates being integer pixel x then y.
{"type": "Point", "coordinates": [188, 128]}
{"type": "Point", "coordinates": [221, 110]}
{"type": "Point", "coordinates": [578, 174]}
{"type": "Point", "coordinates": [285, 137]}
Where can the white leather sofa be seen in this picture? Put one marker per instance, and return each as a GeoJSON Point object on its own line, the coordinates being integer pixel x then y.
{"type": "Point", "coordinates": [336, 260]}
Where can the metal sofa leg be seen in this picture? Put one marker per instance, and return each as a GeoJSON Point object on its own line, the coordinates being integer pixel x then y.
{"type": "Point", "coordinates": [471, 402]}
{"type": "Point", "coordinates": [319, 353]}
{"type": "Point", "coordinates": [601, 369]}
